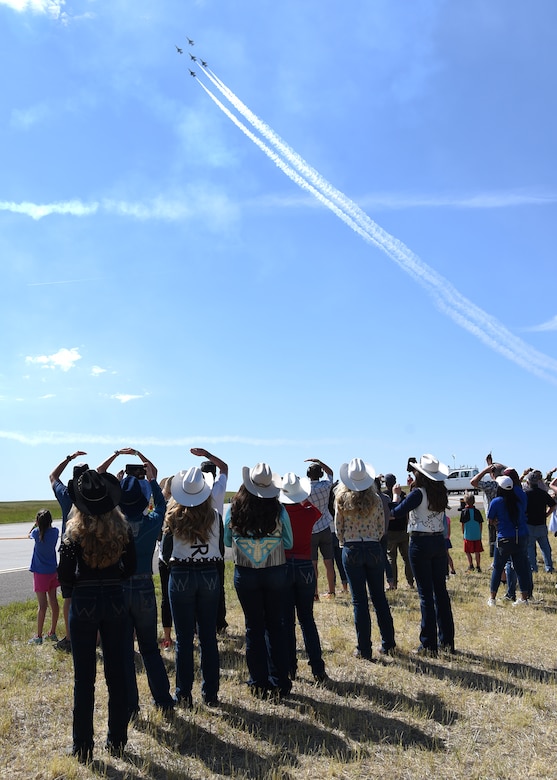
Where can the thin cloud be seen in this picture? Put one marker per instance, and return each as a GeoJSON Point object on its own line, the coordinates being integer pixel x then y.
{"type": "Point", "coordinates": [48, 395]}
{"type": "Point", "coordinates": [97, 371]}
{"type": "Point", "coordinates": [82, 439]}
{"type": "Point", "coordinates": [52, 8]}
{"type": "Point", "coordinates": [63, 281]}
{"type": "Point", "coordinates": [215, 207]}
{"type": "Point", "coordinates": [124, 399]}
{"type": "Point", "coordinates": [448, 300]}
{"type": "Point", "coordinates": [39, 210]}
{"type": "Point", "coordinates": [63, 359]}
{"type": "Point", "coordinates": [393, 201]}
{"type": "Point", "coordinates": [545, 326]}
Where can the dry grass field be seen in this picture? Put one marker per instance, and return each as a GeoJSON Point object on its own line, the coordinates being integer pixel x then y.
{"type": "Point", "coordinates": [488, 712]}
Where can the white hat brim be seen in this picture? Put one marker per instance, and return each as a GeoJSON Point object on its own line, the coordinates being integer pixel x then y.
{"type": "Point", "coordinates": [301, 495]}
{"type": "Point", "coordinates": [261, 491]}
{"type": "Point", "coordinates": [436, 476]}
{"type": "Point", "coordinates": [360, 484]}
{"type": "Point", "coordinates": [187, 499]}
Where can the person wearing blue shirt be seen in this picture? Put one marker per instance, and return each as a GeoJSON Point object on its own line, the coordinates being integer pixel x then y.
{"type": "Point", "coordinates": [508, 512]}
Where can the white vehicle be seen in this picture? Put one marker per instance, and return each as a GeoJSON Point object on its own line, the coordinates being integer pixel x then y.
{"type": "Point", "coordinates": [459, 479]}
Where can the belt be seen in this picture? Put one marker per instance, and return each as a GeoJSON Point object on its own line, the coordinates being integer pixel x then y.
{"type": "Point", "coordinates": [426, 533]}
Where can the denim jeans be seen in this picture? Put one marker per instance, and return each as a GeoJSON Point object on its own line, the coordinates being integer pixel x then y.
{"type": "Point", "coordinates": [364, 563]}
{"type": "Point", "coordinates": [428, 558]}
{"type": "Point", "coordinates": [337, 554]}
{"type": "Point", "coordinates": [506, 549]}
{"type": "Point", "coordinates": [139, 597]}
{"type": "Point", "coordinates": [194, 597]}
{"type": "Point", "coordinates": [98, 606]}
{"type": "Point", "coordinates": [299, 601]}
{"type": "Point", "coordinates": [538, 533]}
{"type": "Point", "coordinates": [262, 594]}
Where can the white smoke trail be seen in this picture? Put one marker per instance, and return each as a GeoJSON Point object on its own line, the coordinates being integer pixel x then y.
{"type": "Point", "coordinates": [452, 303]}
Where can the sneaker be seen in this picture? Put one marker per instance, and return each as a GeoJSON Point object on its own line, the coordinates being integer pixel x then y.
{"type": "Point", "coordinates": [36, 640]}
{"type": "Point", "coordinates": [470, 568]}
{"type": "Point", "coordinates": [478, 569]}
{"type": "Point", "coordinates": [64, 645]}
{"type": "Point", "coordinates": [508, 597]}
{"type": "Point", "coordinates": [52, 637]}
{"type": "Point", "coordinates": [328, 595]}
{"type": "Point", "coordinates": [520, 602]}
{"type": "Point", "coordinates": [491, 602]}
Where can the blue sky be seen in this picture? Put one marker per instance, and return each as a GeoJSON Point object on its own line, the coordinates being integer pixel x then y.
{"type": "Point", "coordinates": [168, 283]}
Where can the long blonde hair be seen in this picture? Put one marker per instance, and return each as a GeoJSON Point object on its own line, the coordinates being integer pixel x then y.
{"type": "Point", "coordinates": [361, 502]}
{"type": "Point", "coordinates": [190, 523]}
{"type": "Point", "coordinates": [102, 537]}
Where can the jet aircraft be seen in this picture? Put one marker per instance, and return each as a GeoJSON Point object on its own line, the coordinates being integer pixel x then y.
{"type": "Point", "coordinates": [192, 57]}
{"type": "Point", "coordinates": [179, 50]}
{"type": "Point", "coordinates": [189, 40]}
{"type": "Point", "coordinates": [203, 63]}
{"type": "Point", "coordinates": [192, 72]}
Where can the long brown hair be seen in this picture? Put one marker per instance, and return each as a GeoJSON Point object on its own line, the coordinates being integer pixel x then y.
{"type": "Point", "coordinates": [102, 537]}
{"type": "Point", "coordinates": [253, 516]}
{"type": "Point", "coordinates": [43, 522]}
{"type": "Point", "coordinates": [191, 523]}
{"type": "Point", "coordinates": [436, 492]}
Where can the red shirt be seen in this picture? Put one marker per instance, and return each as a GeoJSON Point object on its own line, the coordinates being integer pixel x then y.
{"type": "Point", "coordinates": [302, 519]}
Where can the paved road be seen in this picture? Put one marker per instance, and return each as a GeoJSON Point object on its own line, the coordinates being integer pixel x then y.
{"type": "Point", "coordinates": [16, 581]}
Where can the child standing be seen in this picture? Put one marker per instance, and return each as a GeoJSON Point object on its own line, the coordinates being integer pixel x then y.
{"type": "Point", "coordinates": [471, 519]}
{"type": "Point", "coordinates": [45, 579]}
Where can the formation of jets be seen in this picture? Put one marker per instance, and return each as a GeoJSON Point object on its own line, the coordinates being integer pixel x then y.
{"type": "Point", "coordinates": [192, 57]}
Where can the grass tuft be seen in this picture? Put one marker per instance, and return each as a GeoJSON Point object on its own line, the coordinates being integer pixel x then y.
{"type": "Point", "coordinates": [490, 711]}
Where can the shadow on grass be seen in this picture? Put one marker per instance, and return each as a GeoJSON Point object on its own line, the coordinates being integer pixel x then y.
{"type": "Point", "coordinates": [224, 756]}
{"type": "Point", "coordinates": [466, 678]}
{"type": "Point", "coordinates": [428, 705]}
{"type": "Point", "coordinates": [366, 726]}
{"type": "Point", "coordinates": [517, 670]}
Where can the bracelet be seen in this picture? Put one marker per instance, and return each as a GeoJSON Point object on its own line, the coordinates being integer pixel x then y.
{"type": "Point", "coordinates": [116, 452]}
{"type": "Point", "coordinates": [68, 457]}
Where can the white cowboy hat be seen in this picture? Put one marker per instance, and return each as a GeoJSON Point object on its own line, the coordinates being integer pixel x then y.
{"type": "Point", "coordinates": [294, 489]}
{"type": "Point", "coordinates": [189, 488]}
{"type": "Point", "coordinates": [429, 466]}
{"type": "Point", "coordinates": [261, 481]}
{"type": "Point", "coordinates": [357, 475]}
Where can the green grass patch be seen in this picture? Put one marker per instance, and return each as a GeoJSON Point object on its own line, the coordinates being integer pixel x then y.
{"type": "Point", "coordinates": [488, 712]}
{"type": "Point", "coordinates": [26, 511]}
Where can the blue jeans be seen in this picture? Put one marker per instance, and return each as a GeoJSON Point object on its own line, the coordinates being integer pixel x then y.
{"type": "Point", "coordinates": [194, 597]}
{"type": "Point", "coordinates": [262, 594]}
{"type": "Point", "coordinates": [428, 559]}
{"type": "Point", "coordinates": [337, 554]}
{"type": "Point", "coordinates": [301, 581]}
{"type": "Point", "coordinates": [139, 596]}
{"type": "Point", "coordinates": [517, 552]}
{"type": "Point", "coordinates": [538, 533]}
{"type": "Point", "coordinates": [364, 563]}
{"type": "Point", "coordinates": [98, 606]}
